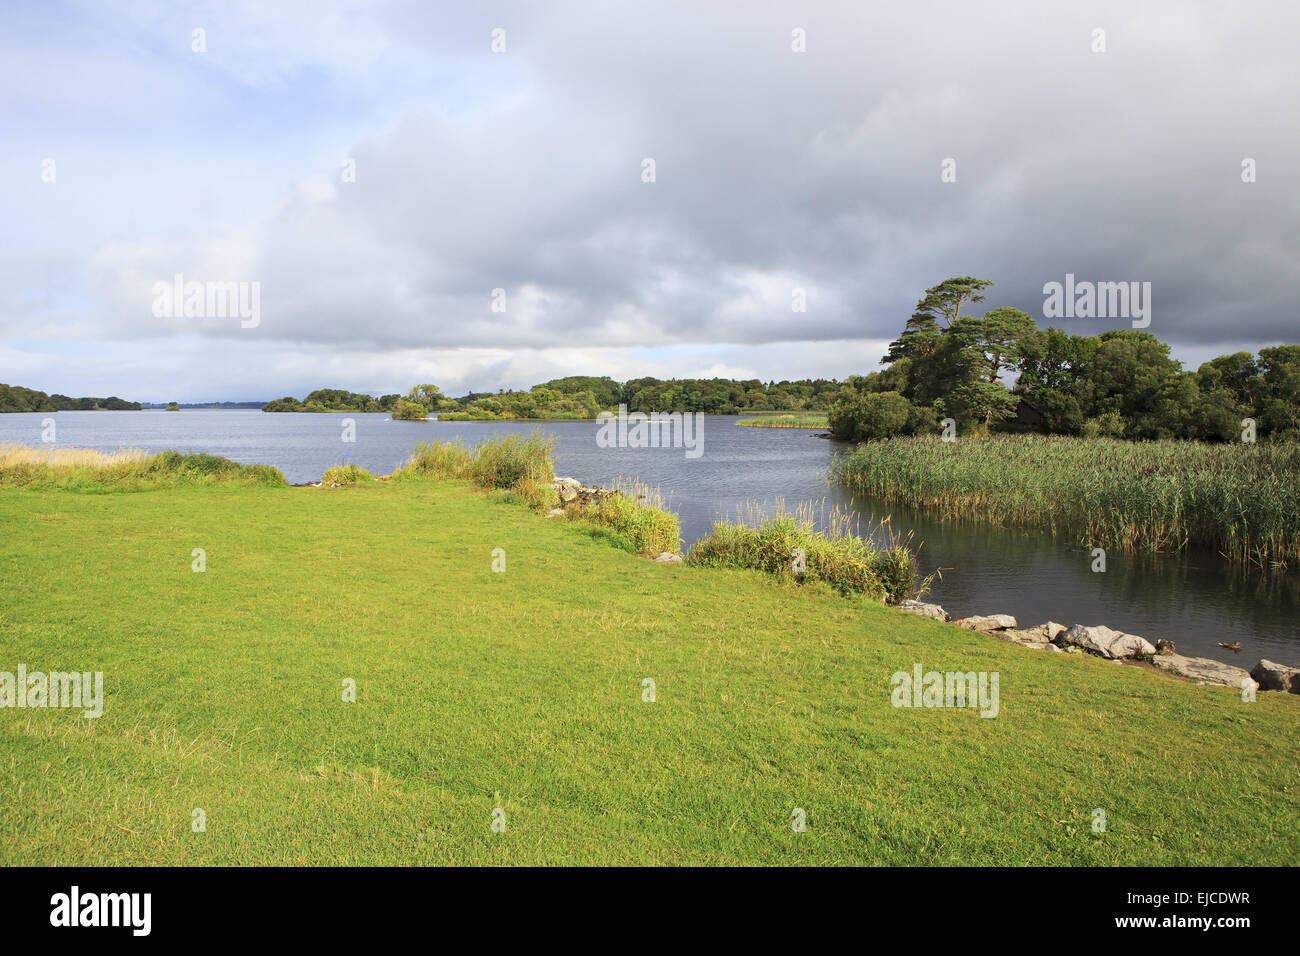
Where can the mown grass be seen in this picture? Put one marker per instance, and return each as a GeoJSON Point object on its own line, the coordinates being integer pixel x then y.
{"type": "Point", "coordinates": [82, 469]}
{"type": "Point", "coordinates": [797, 547]}
{"type": "Point", "coordinates": [1242, 500]}
{"type": "Point", "coordinates": [796, 420]}
{"type": "Point", "coordinates": [524, 690]}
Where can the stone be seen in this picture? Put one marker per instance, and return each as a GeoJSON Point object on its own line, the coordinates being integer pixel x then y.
{"type": "Point", "coordinates": [925, 610]}
{"type": "Point", "coordinates": [1106, 642]}
{"type": "Point", "coordinates": [666, 556]}
{"type": "Point", "coordinates": [987, 622]}
{"type": "Point", "coordinates": [1273, 676]}
{"type": "Point", "coordinates": [1201, 669]}
{"type": "Point", "coordinates": [1034, 637]}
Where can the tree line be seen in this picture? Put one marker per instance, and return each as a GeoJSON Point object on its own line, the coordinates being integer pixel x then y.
{"type": "Point", "coordinates": [16, 398]}
{"type": "Point", "coordinates": [578, 397]}
{"type": "Point", "coordinates": [1122, 383]}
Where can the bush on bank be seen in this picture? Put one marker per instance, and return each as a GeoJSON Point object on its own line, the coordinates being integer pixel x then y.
{"type": "Point", "coordinates": [794, 548]}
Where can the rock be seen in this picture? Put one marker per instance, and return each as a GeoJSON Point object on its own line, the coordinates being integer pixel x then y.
{"type": "Point", "coordinates": [987, 622]}
{"type": "Point", "coordinates": [1273, 676]}
{"type": "Point", "coordinates": [1052, 647]}
{"type": "Point", "coordinates": [1105, 641]}
{"type": "Point", "coordinates": [1201, 668]}
{"type": "Point", "coordinates": [555, 513]}
{"type": "Point", "coordinates": [1035, 637]}
{"type": "Point", "coordinates": [925, 610]}
{"type": "Point", "coordinates": [1165, 647]}
{"type": "Point", "coordinates": [667, 556]}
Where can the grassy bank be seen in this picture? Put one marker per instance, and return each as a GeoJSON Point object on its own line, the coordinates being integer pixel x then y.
{"type": "Point", "coordinates": [1241, 500]}
{"type": "Point", "coordinates": [524, 689]}
{"type": "Point", "coordinates": [797, 420]}
{"type": "Point", "coordinates": [797, 547]}
{"type": "Point", "coordinates": [81, 469]}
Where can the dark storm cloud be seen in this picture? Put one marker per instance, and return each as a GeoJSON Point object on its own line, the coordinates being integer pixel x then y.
{"type": "Point", "coordinates": [775, 170]}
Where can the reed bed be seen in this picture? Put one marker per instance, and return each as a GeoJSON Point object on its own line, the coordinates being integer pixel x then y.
{"type": "Point", "coordinates": [807, 420]}
{"type": "Point", "coordinates": [1242, 500]}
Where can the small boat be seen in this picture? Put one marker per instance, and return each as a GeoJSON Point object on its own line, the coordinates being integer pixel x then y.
{"type": "Point", "coordinates": [1234, 646]}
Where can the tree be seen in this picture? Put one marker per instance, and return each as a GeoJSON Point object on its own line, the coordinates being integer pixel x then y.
{"type": "Point", "coordinates": [427, 395]}
{"type": "Point", "coordinates": [1052, 365]}
{"type": "Point", "coordinates": [409, 411]}
{"type": "Point", "coordinates": [1277, 403]}
{"type": "Point", "coordinates": [941, 303]}
{"type": "Point", "coordinates": [963, 376]}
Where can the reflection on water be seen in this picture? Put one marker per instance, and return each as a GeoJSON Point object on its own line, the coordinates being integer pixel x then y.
{"type": "Point", "coordinates": [1195, 600]}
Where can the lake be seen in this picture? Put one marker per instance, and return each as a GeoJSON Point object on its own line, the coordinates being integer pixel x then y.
{"type": "Point", "coordinates": [1195, 600]}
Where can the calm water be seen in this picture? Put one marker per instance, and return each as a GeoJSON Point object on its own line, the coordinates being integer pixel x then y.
{"type": "Point", "coordinates": [1194, 600]}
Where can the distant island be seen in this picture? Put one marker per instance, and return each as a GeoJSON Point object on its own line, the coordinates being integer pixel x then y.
{"type": "Point", "coordinates": [177, 406]}
{"type": "Point", "coordinates": [578, 398]}
{"type": "Point", "coordinates": [15, 398]}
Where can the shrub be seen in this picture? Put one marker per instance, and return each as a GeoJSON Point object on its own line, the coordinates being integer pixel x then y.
{"type": "Point", "coordinates": [502, 462]}
{"type": "Point", "coordinates": [831, 552]}
{"type": "Point", "coordinates": [520, 465]}
{"type": "Point", "coordinates": [860, 415]}
{"type": "Point", "coordinates": [409, 411]}
{"type": "Point", "coordinates": [342, 475]}
{"type": "Point", "coordinates": [635, 518]}
{"type": "Point", "coordinates": [436, 460]}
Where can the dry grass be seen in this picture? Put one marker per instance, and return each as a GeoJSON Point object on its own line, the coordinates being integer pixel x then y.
{"type": "Point", "coordinates": [13, 454]}
{"type": "Point", "coordinates": [127, 469]}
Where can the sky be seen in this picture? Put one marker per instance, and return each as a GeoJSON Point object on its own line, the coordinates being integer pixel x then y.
{"type": "Point", "coordinates": [460, 193]}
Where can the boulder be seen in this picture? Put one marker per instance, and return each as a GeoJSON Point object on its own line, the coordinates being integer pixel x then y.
{"type": "Point", "coordinates": [1035, 637]}
{"type": "Point", "coordinates": [567, 488]}
{"type": "Point", "coordinates": [1105, 641]}
{"type": "Point", "coordinates": [925, 610]}
{"type": "Point", "coordinates": [1273, 676]}
{"type": "Point", "coordinates": [987, 622]}
{"type": "Point", "coordinates": [1201, 669]}
{"type": "Point", "coordinates": [666, 556]}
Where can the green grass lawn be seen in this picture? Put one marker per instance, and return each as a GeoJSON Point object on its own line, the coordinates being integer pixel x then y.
{"type": "Point", "coordinates": [523, 690]}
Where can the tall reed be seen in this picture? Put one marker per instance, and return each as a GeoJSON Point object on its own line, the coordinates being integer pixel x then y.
{"type": "Point", "coordinates": [1242, 500]}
